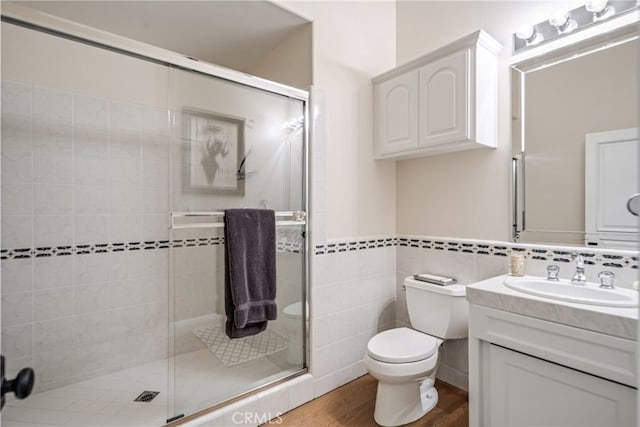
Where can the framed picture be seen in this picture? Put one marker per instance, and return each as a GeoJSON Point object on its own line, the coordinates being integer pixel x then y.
{"type": "Point", "coordinates": [213, 151]}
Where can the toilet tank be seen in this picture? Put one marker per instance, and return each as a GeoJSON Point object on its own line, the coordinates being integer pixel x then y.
{"type": "Point", "coordinates": [440, 311]}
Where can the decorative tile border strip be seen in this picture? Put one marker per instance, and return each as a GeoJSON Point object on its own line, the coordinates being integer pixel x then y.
{"type": "Point", "coordinates": [613, 259]}
{"type": "Point", "coordinates": [99, 248]}
{"type": "Point", "coordinates": [355, 245]}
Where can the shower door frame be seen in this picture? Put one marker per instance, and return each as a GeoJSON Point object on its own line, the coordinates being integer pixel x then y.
{"type": "Point", "coordinates": [30, 18]}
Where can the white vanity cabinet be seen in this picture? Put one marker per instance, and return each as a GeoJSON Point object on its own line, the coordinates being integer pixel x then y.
{"type": "Point", "coordinates": [442, 102]}
{"type": "Point", "coordinates": [526, 371]}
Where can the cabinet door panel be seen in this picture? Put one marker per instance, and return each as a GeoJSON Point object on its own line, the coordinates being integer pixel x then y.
{"type": "Point", "coordinates": [444, 100]}
{"type": "Point", "coordinates": [397, 113]}
{"type": "Point", "coordinates": [526, 391]}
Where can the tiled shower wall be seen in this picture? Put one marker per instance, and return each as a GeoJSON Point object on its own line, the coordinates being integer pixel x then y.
{"type": "Point", "coordinates": [84, 206]}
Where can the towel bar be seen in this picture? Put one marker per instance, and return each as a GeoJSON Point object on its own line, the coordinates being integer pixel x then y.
{"type": "Point", "coordinates": [298, 218]}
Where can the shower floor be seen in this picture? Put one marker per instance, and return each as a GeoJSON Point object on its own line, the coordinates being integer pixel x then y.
{"type": "Point", "coordinates": [108, 400]}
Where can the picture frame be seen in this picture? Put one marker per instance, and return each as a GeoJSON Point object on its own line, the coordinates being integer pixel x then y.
{"type": "Point", "coordinates": [213, 152]}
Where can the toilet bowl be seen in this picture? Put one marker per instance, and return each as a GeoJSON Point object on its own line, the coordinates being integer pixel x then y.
{"type": "Point", "coordinates": [404, 360]}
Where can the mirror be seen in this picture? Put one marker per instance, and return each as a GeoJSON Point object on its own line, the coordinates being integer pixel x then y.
{"type": "Point", "coordinates": [575, 144]}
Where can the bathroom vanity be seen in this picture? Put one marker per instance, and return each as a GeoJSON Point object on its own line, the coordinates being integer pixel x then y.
{"type": "Point", "coordinates": [539, 361]}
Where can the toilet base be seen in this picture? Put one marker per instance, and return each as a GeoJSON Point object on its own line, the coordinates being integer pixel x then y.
{"type": "Point", "coordinates": [403, 403]}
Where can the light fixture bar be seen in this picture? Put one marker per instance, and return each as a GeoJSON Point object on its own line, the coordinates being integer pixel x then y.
{"type": "Point", "coordinates": [562, 23]}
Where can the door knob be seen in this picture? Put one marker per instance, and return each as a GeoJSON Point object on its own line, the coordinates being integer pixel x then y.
{"type": "Point", "coordinates": [21, 385]}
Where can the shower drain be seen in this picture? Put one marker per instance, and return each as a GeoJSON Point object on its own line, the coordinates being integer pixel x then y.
{"type": "Point", "coordinates": [146, 396]}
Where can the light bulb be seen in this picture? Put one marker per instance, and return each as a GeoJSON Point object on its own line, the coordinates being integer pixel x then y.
{"type": "Point", "coordinates": [600, 9]}
{"type": "Point", "coordinates": [596, 6]}
{"type": "Point", "coordinates": [562, 21]}
{"type": "Point", "coordinates": [529, 34]}
{"type": "Point", "coordinates": [526, 32]}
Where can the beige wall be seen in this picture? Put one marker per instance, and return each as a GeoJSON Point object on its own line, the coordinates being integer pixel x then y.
{"type": "Point", "coordinates": [563, 103]}
{"type": "Point", "coordinates": [352, 42]}
{"type": "Point", "coordinates": [290, 63]}
{"type": "Point", "coordinates": [463, 194]}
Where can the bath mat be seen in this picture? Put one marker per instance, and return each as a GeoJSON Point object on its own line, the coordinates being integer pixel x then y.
{"type": "Point", "coordinates": [239, 350]}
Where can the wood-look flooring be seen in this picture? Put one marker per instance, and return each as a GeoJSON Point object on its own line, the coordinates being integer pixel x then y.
{"type": "Point", "coordinates": [352, 405]}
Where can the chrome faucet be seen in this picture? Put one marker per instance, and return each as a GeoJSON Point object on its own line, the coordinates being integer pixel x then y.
{"type": "Point", "coordinates": [579, 277]}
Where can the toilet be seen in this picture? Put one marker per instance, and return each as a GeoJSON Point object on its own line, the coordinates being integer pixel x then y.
{"type": "Point", "coordinates": [293, 312]}
{"type": "Point", "coordinates": [404, 361]}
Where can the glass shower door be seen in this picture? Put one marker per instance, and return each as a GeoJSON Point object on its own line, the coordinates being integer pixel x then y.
{"type": "Point", "coordinates": [233, 147]}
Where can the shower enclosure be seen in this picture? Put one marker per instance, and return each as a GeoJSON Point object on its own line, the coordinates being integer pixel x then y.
{"type": "Point", "coordinates": [118, 161]}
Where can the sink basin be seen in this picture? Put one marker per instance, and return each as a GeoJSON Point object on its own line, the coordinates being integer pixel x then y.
{"type": "Point", "coordinates": [563, 290]}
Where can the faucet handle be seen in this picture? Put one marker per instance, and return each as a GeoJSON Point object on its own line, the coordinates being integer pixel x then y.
{"type": "Point", "coordinates": [579, 258]}
{"type": "Point", "coordinates": [606, 279]}
{"type": "Point", "coordinates": [552, 272]}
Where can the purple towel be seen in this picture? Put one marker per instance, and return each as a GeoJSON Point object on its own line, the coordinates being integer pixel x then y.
{"type": "Point", "coordinates": [250, 270]}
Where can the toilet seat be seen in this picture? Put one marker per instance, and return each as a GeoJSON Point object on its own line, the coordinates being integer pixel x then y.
{"type": "Point", "coordinates": [402, 345]}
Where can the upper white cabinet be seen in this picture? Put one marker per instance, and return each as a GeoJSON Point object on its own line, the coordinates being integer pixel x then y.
{"type": "Point", "coordinates": [444, 101]}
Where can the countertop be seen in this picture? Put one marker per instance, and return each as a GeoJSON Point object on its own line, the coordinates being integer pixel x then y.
{"type": "Point", "coordinates": [619, 322]}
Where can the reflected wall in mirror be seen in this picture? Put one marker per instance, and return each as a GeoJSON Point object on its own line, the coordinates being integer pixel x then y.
{"type": "Point", "coordinates": [559, 102]}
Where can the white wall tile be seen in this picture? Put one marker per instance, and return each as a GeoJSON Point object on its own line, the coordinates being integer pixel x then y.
{"type": "Point", "coordinates": [16, 98]}
{"type": "Point", "coordinates": [89, 112]}
{"type": "Point", "coordinates": [51, 106]}
{"type": "Point", "coordinates": [126, 293]}
{"type": "Point", "coordinates": [91, 229]}
{"type": "Point", "coordinates": [92, 298]}
{"type": "Point", "coordinates": [125, 117]}
{"type": "Point", "coordinates": [92, 199]}
{"type": "Point", "coordinates": [17, 163]}
{"type": "Point", "coordinates": [91, 268]}
{"type": "Point", "coordinates": [17, 341]}
{"type": "Point", "coordinates": [155, 173]}
{"type": "Point", "coordinates": [126, 321]}
{"type": "Point", "coordinates": [460, 266]}
{"type": "Point", "coordinates": [17, 275]}
{"type": "Point", "coordinates": [53, 335]}
{"type": "Point", "coordinates": [52, 272]}
{"type": "Point", "coordinates": [155, 263]}
{"type": "Point", "coordinates": [156, 289]}
{"type": "Point", "coordinates": [155, 201]}
{"type": "Point", "coordinates": [17, 231]}
{"type": "Point", "coordinates": [17, 199]}
{"type": "Point", "coordinates": [53, 367]}
{"type": "Point", "coordinates": [52, 155]}
{"type": "Point", "coordinates": [126, 228]}
{"type": "Point", "coordinates": [126, 200]}
{"type": "Point", "coordinates": [155, 227]}
{"type": "Point", "coordinates": [155, 315]}
{"type": "Point", "coordinates": [93, 328]}
{"type": "Point", "coordinates": [125, 170]}
{"type": "Point", "coordinates": [92, 170]}
{"type": "Point", "coordinates": [155, 121]}
{"type": "Point", "coordinates": [333, 357]}
{"type": "Point", "coordinates": [336, 327]}
{"type": "Point", "coordinates": [17, 309]}
{"type": "Point", "coordinates": [125, 265]}
{"type": "Point", "coordinates": [52, 199]}
{"type": "Point", "coordinates": [52, 303]}
{"type": "Point", "coordinates": [52, 230]}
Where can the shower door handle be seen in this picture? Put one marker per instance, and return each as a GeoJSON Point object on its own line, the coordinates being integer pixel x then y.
{"type": "Point", "coordinates": [21, 385]}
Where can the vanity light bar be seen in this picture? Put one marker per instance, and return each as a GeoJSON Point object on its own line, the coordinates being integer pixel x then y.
{"type": "Point", "coordinates": [563, 22]}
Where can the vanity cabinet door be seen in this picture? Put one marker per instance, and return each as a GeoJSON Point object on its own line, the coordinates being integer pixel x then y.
{"type": "Point", "coordinates": [527, 391]}
{"type": "Point", "coordinates": [396, 111]}
{"type": "Point", "coordinates": [444, 100]}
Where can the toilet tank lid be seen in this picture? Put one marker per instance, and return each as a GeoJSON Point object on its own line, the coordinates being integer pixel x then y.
{"type": "Point", "coordinates": [457, 290]}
